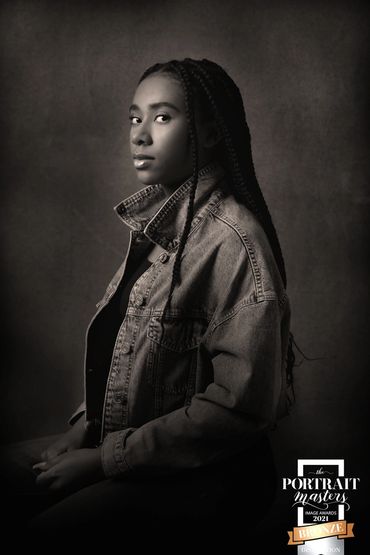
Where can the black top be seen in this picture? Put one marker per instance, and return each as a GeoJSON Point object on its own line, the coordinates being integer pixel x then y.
{"type": "Point", "coordinates": [126, 285]}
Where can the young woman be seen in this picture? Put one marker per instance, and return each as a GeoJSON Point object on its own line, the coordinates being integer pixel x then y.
{"type": "Point", "coordinates": [188, 358]}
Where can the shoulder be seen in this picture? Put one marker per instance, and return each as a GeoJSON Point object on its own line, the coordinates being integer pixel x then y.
{"type": "Point", "coordinates": [241, 235]}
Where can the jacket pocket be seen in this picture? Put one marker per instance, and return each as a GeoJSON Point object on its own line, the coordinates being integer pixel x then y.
{"type": "Point", "coordinates": [172, 356]}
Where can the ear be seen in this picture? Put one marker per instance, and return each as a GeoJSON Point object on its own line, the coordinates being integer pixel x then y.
{"type": "Point", "coordinates": [210, 135]}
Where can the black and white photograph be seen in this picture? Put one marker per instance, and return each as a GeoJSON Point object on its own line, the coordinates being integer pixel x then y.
{"type": "Point", "coordinates": [185, 274]}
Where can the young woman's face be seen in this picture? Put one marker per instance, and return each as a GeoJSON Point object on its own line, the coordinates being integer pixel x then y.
{"type": "Point", "coordinates": [159, 129]}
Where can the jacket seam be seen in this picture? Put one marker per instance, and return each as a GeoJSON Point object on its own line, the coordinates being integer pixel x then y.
{"type": "Point", "coordinates": [138, 196]}
{"type": "Point", "coordinates": [207, 211]}
{"type": "Point", "coordinates": [244, 303]}
{"type": "Point", "coordinates": [256, 272]}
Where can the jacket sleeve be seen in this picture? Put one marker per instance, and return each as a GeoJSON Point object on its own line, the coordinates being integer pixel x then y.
{"type": "Point", "coordinates": [247, 350]}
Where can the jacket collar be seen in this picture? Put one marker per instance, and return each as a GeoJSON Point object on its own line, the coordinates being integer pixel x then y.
{"type": "Point", "coordinates": [162, 218]}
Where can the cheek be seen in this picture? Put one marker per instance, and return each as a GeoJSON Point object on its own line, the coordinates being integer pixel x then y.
{"type": "Point", "coordinates": [175, 143]}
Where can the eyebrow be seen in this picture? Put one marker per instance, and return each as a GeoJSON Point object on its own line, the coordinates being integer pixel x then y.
{"type": "Point", "coordinates": [155, 105]}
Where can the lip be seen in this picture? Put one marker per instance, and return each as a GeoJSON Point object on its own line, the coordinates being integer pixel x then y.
{"type": "Point", "coordinates": [142, 157]}
{"type": "Point", "coordinates": [142, 163]}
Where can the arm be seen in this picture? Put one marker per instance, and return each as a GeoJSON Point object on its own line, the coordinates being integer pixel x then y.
{"type": "Point", "coordinates": [246, 353]}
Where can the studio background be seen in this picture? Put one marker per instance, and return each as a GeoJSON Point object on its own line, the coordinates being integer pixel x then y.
{"type": "Point", "coordinates": [69, 70]}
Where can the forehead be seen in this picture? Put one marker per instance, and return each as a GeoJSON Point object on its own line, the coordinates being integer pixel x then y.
{"type": "Point", "coordinates": [159, 88]}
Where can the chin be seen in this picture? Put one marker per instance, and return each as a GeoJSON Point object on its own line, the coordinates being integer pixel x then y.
{"type": "Point", "coordinates": [146, 178]}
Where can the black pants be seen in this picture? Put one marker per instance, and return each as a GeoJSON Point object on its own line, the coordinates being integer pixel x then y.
{"type": "Point", "coordinates": [225, 499]}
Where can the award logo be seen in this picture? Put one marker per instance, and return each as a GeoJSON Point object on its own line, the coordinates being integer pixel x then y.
{"type": "Point", "coordinates": [321, 493]}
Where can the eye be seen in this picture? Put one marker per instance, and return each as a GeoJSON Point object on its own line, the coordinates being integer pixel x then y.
{"type": "Point", "coordinates": [165, 117]}
{"type": "Point", "coordinates": [132, 118]}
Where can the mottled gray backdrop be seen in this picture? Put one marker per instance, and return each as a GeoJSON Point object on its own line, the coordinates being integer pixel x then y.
{"type": "Point", "coordinates": [69, 71]}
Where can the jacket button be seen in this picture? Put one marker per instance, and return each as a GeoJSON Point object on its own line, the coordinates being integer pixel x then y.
{"type": "Point", "coordinates": [126, 348]}
{"type": "Point", "coordinates": [139, 300]}
{"type": "Point", "coordinates": [164, 257]}
{"type": "Point", "coordinates": [90, 370]}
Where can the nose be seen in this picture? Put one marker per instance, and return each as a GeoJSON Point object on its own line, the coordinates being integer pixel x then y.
{"type": "Point", "coordinates": [141, 136]}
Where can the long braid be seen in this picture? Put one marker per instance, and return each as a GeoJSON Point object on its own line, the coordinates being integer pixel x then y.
{"type": "Point", "coordinates": [244, 178]}
{"type": "Point", "coordinates": [216, 85]}
{"type": "Point", "coordinates": [246, 186]}
{"type": "Point", "coordinates": [240, 190]}
{"type": "Point", "coordinates": [189, 108]}
{"type": "Point", "coordinates": [245, 153]}
{"type": "Point", "coordinates": [235, 96]}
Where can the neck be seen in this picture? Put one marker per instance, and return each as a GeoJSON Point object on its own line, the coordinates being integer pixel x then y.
{"type": "Point", "coordinates": [170, 188]}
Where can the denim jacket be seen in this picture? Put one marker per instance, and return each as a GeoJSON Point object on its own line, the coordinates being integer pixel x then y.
{"type": "Point", "coordinates": [207, 384]}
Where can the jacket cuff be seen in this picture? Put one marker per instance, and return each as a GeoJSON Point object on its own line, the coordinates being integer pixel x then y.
{"type": "Point", "coordinates": [78, 412]}
{"type": "Point", "coordinates": [112, 453]}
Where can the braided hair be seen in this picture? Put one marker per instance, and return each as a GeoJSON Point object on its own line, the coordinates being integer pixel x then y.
{"type": "Point", "coordinates": [218, 97]}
